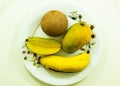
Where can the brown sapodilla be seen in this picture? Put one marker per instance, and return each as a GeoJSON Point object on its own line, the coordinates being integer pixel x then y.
{"type": "Point", "coordinates": [54, 23]}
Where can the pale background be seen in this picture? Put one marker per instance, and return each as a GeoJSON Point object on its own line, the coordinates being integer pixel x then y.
{"type": "Point", "coordinates": [14, 12]}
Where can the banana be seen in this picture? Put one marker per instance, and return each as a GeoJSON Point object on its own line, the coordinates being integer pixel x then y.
{"type": "Point", "coordinates": [44, 46]}
{"type": "Point", "coordinates": [66, 64]}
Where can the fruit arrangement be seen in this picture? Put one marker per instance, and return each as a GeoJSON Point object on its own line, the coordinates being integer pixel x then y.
{"type": "Point", "coordinates": [75, 37]}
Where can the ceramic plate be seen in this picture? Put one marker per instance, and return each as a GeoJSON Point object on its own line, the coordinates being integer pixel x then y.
{"type": "Point", "coordinates": [49, 76]}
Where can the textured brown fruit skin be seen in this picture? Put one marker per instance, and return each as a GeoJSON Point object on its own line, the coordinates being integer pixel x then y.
{"type": "Point", "coordinates": [54, 23]}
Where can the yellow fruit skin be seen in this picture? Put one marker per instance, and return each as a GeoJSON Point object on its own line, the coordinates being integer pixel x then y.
{"type": "Point", "coordinates": [66, 64]}
{"type": "Point", "coordinates": [44, 46]}
{"type": "Point", "coordinates": [76, 37]}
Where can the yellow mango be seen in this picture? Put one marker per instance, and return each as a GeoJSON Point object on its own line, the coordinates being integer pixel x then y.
{"type": "Point", "coordinates": [76, 37]}
{"type": "Point", "coordinates": [66, 64]}
{"type": "Point", "coordinates": [44, 46]}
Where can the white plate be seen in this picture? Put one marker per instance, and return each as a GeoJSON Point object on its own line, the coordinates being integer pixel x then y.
{"type": "Point", "coordinates": [49, 76]}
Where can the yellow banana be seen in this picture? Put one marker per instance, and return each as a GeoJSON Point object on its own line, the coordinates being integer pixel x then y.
{"type": "Point", "coordinates": [66, 64]}
{"type": "Point", "coordinates": [44, 46]}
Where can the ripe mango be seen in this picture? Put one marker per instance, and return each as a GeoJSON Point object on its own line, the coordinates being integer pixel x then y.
{"type": "Point", "coordinates": [76, 37]}
{"type": "Point", "coordinates": [44, 46]}
{"type": "Point", "coordinates": [66, 64]}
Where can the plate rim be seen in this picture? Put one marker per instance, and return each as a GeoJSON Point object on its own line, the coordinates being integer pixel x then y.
{"type": "Point", "coordinates": [29, 69]}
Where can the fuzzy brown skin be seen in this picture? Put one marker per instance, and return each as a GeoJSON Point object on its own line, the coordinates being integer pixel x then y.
{"type": "Point", "coordinates": [54, 23]}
